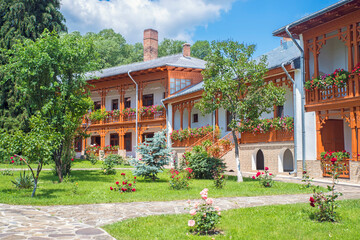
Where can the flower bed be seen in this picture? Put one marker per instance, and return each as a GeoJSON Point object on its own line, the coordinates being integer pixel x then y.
{"type": "Point", "coordinates": [264, 125]}
{"type": "Point", "coordinates": [151, 110]}
{"type": "Point", "coordinates": [181, 135]}
{"type": "Point", "coordinates": [328, 159]}
{"type": "Point", "coordinates": [338, 78]}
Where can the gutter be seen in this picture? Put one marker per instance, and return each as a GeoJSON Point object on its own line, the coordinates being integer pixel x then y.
{"type": "Point", "coordinates": [137, 111]}
{"type": "Point", "coordinates": [295, 127]}
{"type": "Point", "coordinates": [302, 69]}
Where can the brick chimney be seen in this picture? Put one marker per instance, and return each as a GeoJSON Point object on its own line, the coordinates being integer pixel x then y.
{"type": "Point", "coordinates": [186, 50]}
{"type": "Point", "coordinates": [150, 44]}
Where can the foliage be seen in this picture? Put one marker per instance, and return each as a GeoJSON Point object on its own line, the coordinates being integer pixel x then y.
{"type": "Point", "coordinates": [205, 216]}
{"type": "Point", "coordinates": [19, 20]}
{"type": "Point", "coordinates": [109, 147]}
{"type": "Point", "coordinates": [180, 179]}
{"type": "Point", "coordinates": [36, 146]}
{"type": "Point", "coordinates": [200, 49]}
{"type": "Point", "coordinates": [306, 180]}
{"type": "Point", "coordinates": [126, 185]}
{"type": "Point", "coordinates": [181, 135]}
{"type": "Point", "coordinates": [91, 153]}
{"type": "Point", "coordinates": [155, 155]}
{"type": "Point", "coordinates": [338, 78]}
{"type": "Point", "coordinates": [50, 77]}
{"type": "Point", "coordinates": [153, 109]}
{"type": "Point", "coordinates": [219, 178]}
{"type": "Point", "coordinates": [129, 112]}
{"type": "Point", "coordinates": [326, 203]}
{"type": "Point", "coordinates": [265, 179]}
{"type": "Point", "coordinates": [264, 125]}
{"type": "Point", "coordinates": [202, 164]}
{"type": "Point", "coordinates": [7, 172]}
{"type": "Point", "coordinates": [235, 82]}
{"type": "Point", "coordinates": [170, 47]}
{"type": "Point", "coordinates": [108, 164]}
{"type": "Point", "coordinates": [207, 143]}
{"type": "Point", "coordinates": [97, 115]}
{"type": "Point", "coordinates": [24, 181]}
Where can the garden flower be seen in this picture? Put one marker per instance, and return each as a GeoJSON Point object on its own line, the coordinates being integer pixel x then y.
{"type": "Point", "coordinates": [130, 184]}
{"type": "Point", "coordinates": [312, 199]}
{"type": "Point", "coordinates": [219, 213]}
{"type": "Point", "coordinates": [117, 183]}
{"type": "Point", "coordinates": [11, 157]}
{"type": "Point", "coordinates": [134, 177]}
{"type": "Point", "coordinates": [253, 177]}
{"type": "Point", "coordinates": [191, 223]}
{"type": "Point", "coordinates": [188, 201]}
{"type": "Point", "coordinates": [122, 174]}
{"type": "Point", "coordinates": [266, 168]}
{"type": "Point", "coordinates": [217, 208]}
{"type": "Point", "coordinates": [192, 212]}
{"type": "Point", "coordinates": [204, 197]}
{"type": "Point", "coordinates": [111, 188]}
{"type": "Point", "coordinates": [209, 201]}
{"type": "Point", "coordinates": [133, 189]}
{"type": "Point", "coordinates": [258, 174]}
{"type": "Point", "coordinates": [72, 159]}
{"type": "Point", "coordinates": [12, 161]}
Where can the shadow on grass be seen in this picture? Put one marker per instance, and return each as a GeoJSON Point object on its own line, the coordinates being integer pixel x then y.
{"type": "Point", "coordinates": [245, 179]}
{"type": "Point", "coordinates": [79, 175]}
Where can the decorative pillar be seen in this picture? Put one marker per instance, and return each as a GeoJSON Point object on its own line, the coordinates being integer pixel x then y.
{"type": "Point", "coordinates": [83, 146]}
{"type": "Point", "coordinates": [217, 117]}
{"type": "Point", "coordinates": [319, 143]}
{"type": "Point", "coordinates": [316, 52]}
{"type": "Point", "coordinates": [181, 118]}
{"type": "Point", "coordinates": [189, 108]}
{"type": "Point", "coordinates": [355, 133]}
{"type": "Point", "coordinates": [122, 102]}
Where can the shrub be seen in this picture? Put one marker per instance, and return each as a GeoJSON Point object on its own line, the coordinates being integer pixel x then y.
{"type": "Point", "coordinates": [207, 143]}
{"type": "Point", "coordinates": [205, 216]}
{"type": "Point", "coordinates": [219, 178]}
{"type": "Point", "coordinates": [126, 185]}
{"type": "Point", "coordinates": [202, 164]}
{"type": "Point", "coordinates": [265, 179]}
{"type": "Point", "coordinates": [109, 163]}
{"type": "Point", "coordinates": [91, 153]}
{"type": "Point", "coordinates": [24, 181]}
{"type": "Point", "coordinates": [7, 172]}
{"type": "Point", "coordinates": [180, 179]}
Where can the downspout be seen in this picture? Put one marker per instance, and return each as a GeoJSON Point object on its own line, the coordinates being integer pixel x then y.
{"type": "Point", "coordinates": [295, 127]}
{"type": "Point", "coordinates": [137, 115]}
{"type": "Point", "coordinates": [302, 69]}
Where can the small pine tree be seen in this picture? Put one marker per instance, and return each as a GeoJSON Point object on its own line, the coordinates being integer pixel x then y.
{"type": "Point", "coordinates": [155, 154]}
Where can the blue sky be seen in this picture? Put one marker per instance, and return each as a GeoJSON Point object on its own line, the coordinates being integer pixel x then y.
{"type": "Point", "coordinates": [249, 21]}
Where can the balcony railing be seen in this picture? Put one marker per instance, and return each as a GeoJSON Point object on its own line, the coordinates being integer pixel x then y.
{"type": "Point", "coordinates": [122, 118]}
{"type": "Point", "coordinates": [331, 93]}
{"type": "Point", "coordinates": [327, 166]}
{"type": "Point", "coordinates": [270, 136]}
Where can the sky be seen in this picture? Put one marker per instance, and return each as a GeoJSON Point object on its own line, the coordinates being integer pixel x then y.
{"type": "Point", "coordinates": [248, 21]}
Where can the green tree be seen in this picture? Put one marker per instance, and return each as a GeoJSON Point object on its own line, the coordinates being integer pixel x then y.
{"type": "Point", "coordinates": [155, 154]}
{"type": "Point", "coordinates": [19, 20]}
{"type": "Point", "coordinates": [50, 76]}
{"type": "Point", "coordinates": [200, 49]}
{"type": "Point", "coordinates": [235, 82]}
{"type": "Point", "coordinates": [169, 47]}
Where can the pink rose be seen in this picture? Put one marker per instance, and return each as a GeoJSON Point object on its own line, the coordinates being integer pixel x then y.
{"type": "Point", "coordinates": [191, 223]}
{"type": "Point", "coordinates": [209, 201]}
{"type": "Point", "coordinates": [204, 197]}
{"type": "Point", "coordinates": [219, 213]}
{"type": "Point", "coordinates": [192, 212]}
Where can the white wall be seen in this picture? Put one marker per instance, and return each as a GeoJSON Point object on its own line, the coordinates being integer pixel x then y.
{"type": "Point", "coordinates": [289, 102]}
{"type": "Point", "coordinates": [222, 122]}
{"type": "Point", "coordinates": [347, 137]}
{"type": "Point", "coordinates": [157, 89]}
{"type": "Point", "coordinates": [203, 119]}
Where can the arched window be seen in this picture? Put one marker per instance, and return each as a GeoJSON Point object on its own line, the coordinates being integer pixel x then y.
{"type": "Point", "coordinates": [260, 160]}
{"type": "Point", "coordinates": [288, 161]}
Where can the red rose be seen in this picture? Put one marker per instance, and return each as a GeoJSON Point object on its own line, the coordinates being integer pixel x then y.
{"type": "Point", "coordinates": [134, 177]}
{"type": "Point", "coordinates": [304, 172]}
{"type": "Point", "coordinates": [333, 160]}
{"type": "Point", "coordinates": [312, 204]}
{"type": "Point", "coordinates": [266, 168]}
{"type": "Point", "coordinates": [123, 183]}
{"type": "Point", "coordinates": [72, 159]}
{"type": "Point", "coordinates": [117, 183]}
{"type": "Point", "coordinates": [11, 158]}
{"type": "Point", "coordinates": [111, 188]}
{"type": "Point", "coordinates": [12, 161]}
{"type": "Point", "coordinates": [312, 199]}
{"type": "Point", "coordinates": [253, 177]}
{"type": "Point", "coordinates": [20, 159]}
{"type": "Point", "coordinates": [122, 174]}
{"type": "Point", "coordinates": [270, 174]}
{"type": "Point", "coordinates": [258, 174]}
{"type": "Point", "coordinates": [130, 184]}
{"type": "Point", "coordinates": [133, 189]}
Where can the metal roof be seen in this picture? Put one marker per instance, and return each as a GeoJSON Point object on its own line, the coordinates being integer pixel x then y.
{"type": "Point", "coordinates": [197, 87]}
{"type": "Point", "coordinates": [313, 15]}
{"type": "Point", "coordinates": [177, 60]}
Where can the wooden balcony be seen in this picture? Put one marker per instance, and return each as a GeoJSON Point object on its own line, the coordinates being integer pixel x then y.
{"type": "Point", "coordinates": [128, 118]}
{"type": "Point", "coordinates": [270, 136]}
{"type": "Point", "coordinates": [334, 94]}
{"type": "Point", "coordinates": [327, 164]}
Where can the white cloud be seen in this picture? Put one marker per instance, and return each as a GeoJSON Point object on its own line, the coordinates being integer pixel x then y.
{"type": "Point", "coordinates": [175, 19]}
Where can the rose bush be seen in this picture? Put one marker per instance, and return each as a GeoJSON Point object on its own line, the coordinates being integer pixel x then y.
{"type": "Point", "coordinates": [180, 179]}
{"type": "Point", "coordinates": [126, 185]}
{"type": "Point", "coordinates": [265, 179]}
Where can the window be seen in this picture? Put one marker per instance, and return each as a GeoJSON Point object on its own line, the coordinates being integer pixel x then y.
{"type": "Point", "coordinates": [148, 100]}
{"type": "Point", "coordinates": [195, 118]}
{"type": "Point", "coordinates": [147, 135]}
{"type": "Point", "coordinates": [96, 140]}
{"type": "Point", "coordinates": [127, 138]}
{"type": "Point", "coordinates": [127, 102]}
{"type": "Point", "coordinates": [228, 120]}
{"type": "Point", "coordinates": [114, 104]}
{"type": "Point", "coordinates": [178, 84]}
{"type": "Point", "coordinates": [279, 111]}
{"type": "Point", "coordinates": [164, 95]}
{"type": "Point", "coordinates": [78, 144]}
{"type": "Point", "coordinates": [114, 139]}
{"type": "Point", "coordinates": [97, 105]}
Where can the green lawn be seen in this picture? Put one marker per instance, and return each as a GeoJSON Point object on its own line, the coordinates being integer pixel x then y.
{"type": "Point", "coordinates": [268, 222]}
{"type": "Point", "coordinates": [94, 187]}
{"type": "Point", "coordinates": [78, 163]}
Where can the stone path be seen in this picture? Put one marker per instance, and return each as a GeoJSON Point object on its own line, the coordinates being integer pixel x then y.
{"type": "Point", "coordinates": [84, 221]}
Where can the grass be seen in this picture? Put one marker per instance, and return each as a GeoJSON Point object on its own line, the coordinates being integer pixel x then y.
{"type": "Point", "coordinates": [78, 163]}
{"type": "Point", "coordinates": [94, 187]}
{"type": "Point", "coordinates": [267, 222]}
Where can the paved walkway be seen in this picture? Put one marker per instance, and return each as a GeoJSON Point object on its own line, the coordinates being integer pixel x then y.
{"type": "Point", "coordinates": [84, 221]}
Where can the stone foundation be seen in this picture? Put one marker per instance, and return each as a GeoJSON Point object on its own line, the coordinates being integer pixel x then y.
{"type": "Point", "coordinates": [355, 171]}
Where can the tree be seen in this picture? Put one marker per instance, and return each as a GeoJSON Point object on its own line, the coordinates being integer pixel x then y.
{"type": "Point", "coordinates": [19, 20]}
{"type": "Point", "coordinates": [169, 47]}
{"type": "Point", "coordinates": [235, 82]}
{"type": "Point", "coordinates": [50, 77]}
{"type": "Point", "coordinates": [35, 146]}
{"type": "Point", "coordinates": [155, 154]}
{"type": "Point", "coordinates": [200, 49]}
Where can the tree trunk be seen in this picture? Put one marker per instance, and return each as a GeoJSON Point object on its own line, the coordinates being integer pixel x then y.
{"type": "Point", "coordinates": [35, 186]}
{"type": "Point", "coordinates": [239, 175]}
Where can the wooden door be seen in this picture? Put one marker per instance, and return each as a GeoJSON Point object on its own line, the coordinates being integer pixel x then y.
{"type": "Point", "coordinates": [332, 135]}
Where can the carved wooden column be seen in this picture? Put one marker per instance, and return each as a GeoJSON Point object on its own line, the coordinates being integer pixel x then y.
{"type": "Point", "coordinates": [140, 133]}
{"type": "Point", "coordinates": [102, 138]}
{"type": "Point", "coordinates": [84, 145]}
{"type": "Point", "coordinates": [121, 92]}
{"type": "Point", "coordinates": [181, 118]}
{"type": "Point", "coordinates": [356, 41]}
{"type": "Point", "coordinates": [355, 143]}
{"type": "Point", "coordinates": [189, 108]}
{"type": "Point", "coordinates": [319, 125]}
{"type": "Point", "coordinates": [217, 117]}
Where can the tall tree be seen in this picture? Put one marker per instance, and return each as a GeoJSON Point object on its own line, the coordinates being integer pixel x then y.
{"type": "Point", "coordinates": [169, 47]}
{"type": "Point", "coordinates": [200, 49]}
{"type": "Point", "coordinates": [50, 77]}
{"type": "Point", "coordinates": [235, 82]}
{"type": "Point", "coordinates": [22, 19]}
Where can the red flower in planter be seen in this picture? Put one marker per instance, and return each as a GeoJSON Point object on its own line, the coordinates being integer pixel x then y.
{"type": "Point", "coordinates": [333, 160]}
